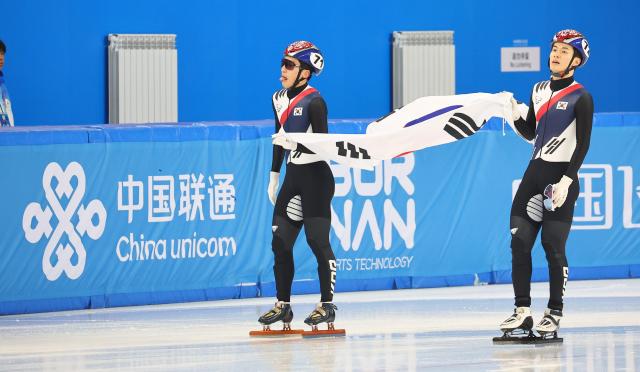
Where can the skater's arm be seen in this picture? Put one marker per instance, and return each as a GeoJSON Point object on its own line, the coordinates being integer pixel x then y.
{"type": "Point", "coordinates": [278, 152]}
{"type": "Point", "coordinates": [318, 115]}
{"type": "Point", "coordinates": [527, 127]}
{"type": "Point", "coordinates": [584, 121]}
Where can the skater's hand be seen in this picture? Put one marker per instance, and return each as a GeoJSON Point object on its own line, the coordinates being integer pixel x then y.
{"type": "Point", "coordinates": [560, 191]}
{"type": "Point", "coordinates": [272, 190]}
{"type": "Point", "coordinates": [515, 111]}
{"type": "Point", "coordinates": [280, 139]}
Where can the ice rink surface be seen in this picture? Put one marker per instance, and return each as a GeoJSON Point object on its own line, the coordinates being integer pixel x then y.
{"type": "Point", "coordinates": [444, 329]}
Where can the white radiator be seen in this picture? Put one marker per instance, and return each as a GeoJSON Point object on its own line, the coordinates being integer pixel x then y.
{"type": "Point", "coordinates": [423, 65]}
{"type": "Point", "coordinates": [143, 78]}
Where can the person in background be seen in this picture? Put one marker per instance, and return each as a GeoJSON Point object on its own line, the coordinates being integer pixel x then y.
{"type": "Point", "coordinates": [6, 115]}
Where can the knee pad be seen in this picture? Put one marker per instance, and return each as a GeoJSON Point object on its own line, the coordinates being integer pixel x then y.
{"type": "Point", "coordinates": [523, 235]}
{"type": "Point", "coordinates": [284, 236]}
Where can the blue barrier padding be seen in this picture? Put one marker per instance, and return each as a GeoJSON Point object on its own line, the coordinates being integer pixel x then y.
{"type": "Point", "coordinates": [155, 298]}
{"type": "Point", "coordinates": [209, 153]}
{"type": "Point", "coordinates": [44, 135]}
{"type": "Point", "coordinates": [299, 288]}
{"type": "Point", "coordinates": [443, 281]}
{"type": "Point", "coordinates": [502, 276]}
{"type": "Point", "coordinates": [267, 289]}
{"type": "Point", "coordinates": [44, 305]}
{"type": "Point", "coordinates": [305, 286]}
{"type": "Point", "coordinates": [600, 272]}
{"type": "Point", "coordinates": [617, 119]}
{"type": "Point", "coordinates": [371, 284]}
{"type": "Point", "coordinates": [402, 282]}
{"type": "Point", "coordinates": [97, 302]}
{"type": "Point", "coordinates": [219, 131]}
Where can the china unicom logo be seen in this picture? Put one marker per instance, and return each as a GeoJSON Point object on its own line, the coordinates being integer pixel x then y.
{"type": "Point", "coordinates": [64, 202]}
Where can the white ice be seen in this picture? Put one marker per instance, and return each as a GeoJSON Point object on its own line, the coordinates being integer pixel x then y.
{"type": "Point", "coordinates": [404, 330]}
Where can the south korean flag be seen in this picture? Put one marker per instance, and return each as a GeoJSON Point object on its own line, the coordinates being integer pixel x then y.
{"type": "Point", "coordinates": [425, 122]}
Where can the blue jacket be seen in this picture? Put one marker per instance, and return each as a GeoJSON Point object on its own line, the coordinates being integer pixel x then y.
{"type": "Point", "coordinates": [6, 115]}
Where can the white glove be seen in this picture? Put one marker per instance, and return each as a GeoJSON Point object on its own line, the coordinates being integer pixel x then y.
{"type": "Point", "coordinates": [272, 189]}
{"type": "Point", "coordinates": [515, 111]}
{"type": "Point", "coordinates": [280, 139]}
{"type": "Point", "coordinates": [560, 191]}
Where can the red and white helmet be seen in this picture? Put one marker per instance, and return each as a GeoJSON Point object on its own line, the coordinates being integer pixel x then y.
{"type": "Point", "coordinates": [306, 53]}
{"type": "Point", "coordinates": [576, 40]}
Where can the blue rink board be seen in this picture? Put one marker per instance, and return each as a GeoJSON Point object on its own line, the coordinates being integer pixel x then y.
{"type": "Point", "coordinates": [460, 234]}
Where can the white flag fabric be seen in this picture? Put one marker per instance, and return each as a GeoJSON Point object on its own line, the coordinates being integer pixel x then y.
{"type": "Point", "coordinates": [425, 122]}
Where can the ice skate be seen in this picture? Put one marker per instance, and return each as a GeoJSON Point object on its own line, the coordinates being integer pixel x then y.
{"type": "Point", "coordinates": [519, 322]}
{"type": "Point", "coordinates": [325, 312]}
{"type": "Point", "coordinates": [518, 329]}
{"type": "Point", "coordinates": [281, 311]}
{"type": "Point", "coordinates": [549, 324]}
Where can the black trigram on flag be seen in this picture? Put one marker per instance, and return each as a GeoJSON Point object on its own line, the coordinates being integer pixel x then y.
{"type": "Point", "coordinates": [352, 151]}
{"type": "Point", "coordinates": [461, 126]}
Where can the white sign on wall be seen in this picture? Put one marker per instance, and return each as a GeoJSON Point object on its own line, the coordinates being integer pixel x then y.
{"type": "Point", "coordinates": [518, 59]}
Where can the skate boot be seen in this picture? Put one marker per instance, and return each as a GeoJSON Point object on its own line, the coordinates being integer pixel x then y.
{"type": "Point", "coordinates": [549, 324]}
{"type": "Point", "coordinates": [280, 312]}
{"type": "Point", "coordinates": [518, 329]}
{"type": "Point", "coordinates": [520, 321]}
{"type": "Point", "coordinates": [325, 312]}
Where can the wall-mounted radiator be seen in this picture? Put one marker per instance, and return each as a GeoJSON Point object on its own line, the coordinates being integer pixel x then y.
{"type": "Point", "coordinates": [423, 65]}
{"type": "Point", "coordinates": [143, 78]}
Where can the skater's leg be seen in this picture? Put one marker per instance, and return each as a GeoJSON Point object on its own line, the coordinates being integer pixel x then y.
{"type": "Point", "coordinates": [317, 232]}
{"type": "Point", "coordinates": [554, 237]}
{"type": "Point", "coordinates": [523, 235]}
{"type": "Point", "coordinates": [316, 202]}
{"type": "Point", "coordinates": [555, 232]}
{"type": "Point", "coordinates": [526, 216]}
{"type": "Point", "coordinates": [286, 225]}
{"type": "Point", "coordinates": [284, 237]}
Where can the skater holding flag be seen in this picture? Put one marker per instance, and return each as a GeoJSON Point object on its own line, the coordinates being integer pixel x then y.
{"type": "Point", "coordinates": [558, 123]}
{"type": "Point", "coordinates": [306, 193]}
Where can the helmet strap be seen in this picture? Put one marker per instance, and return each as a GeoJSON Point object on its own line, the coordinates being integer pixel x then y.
{"type": "Point", "coordinates": [566, 70]}
{"type": "Point", "coordinates": [298, 78]}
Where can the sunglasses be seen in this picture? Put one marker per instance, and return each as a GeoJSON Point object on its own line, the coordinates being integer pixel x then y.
{"type": "Point", "coordinates": [288, 64]}
{"type": "Point", "coordinates": [548, 198]}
